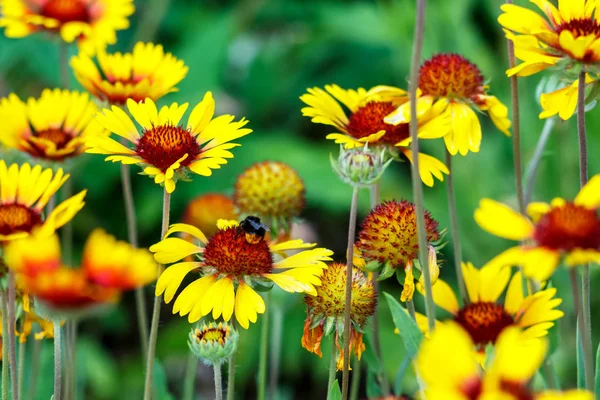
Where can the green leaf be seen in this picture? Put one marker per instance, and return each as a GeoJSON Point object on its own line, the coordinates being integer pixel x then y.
{"type": "Point", "coordinates": [386, 272]}
{"type": "Point", "coordinates": [580, 366]}
{"type": "Point", "coordinates": [400, 375]}
{"type": "Point", "coordinates": [373, 387]}
{"type": "Point", "coordinates": [160, 382]}
{"type": "Point", "coordinates": [597, 378]}
{"type": "Point", "coordinates": [373, 362]}
{"type": "Point", "coordinates": [334, 392]}
{"type": "Point", "coordinates": [409, 331]}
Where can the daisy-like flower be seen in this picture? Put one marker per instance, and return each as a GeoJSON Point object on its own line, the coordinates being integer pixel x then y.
{"type": "Point", "coordinates": [388, 239]}
{"type": "Point", "coordinates": [451, 83]}
{"type": "Point", "coordinates": [325, 311]}
{"type": "Point", "coordinates": [233, 262]}
{"type": "Point", "coordinates": [561, 228]}
{"type": "Point", "coordinates": [147, 72]}
{"type": "Point", "coordinates": [272, 191]}
{"type": "Point", "coordinates": [484, 318]}
{"type": "Point", "coordinates": [204, 211]}
{"type": "Point", "coordinates": [364, 122]}
{"type": "Point", "coordinates": [448, 368]}
{"type": "Point", "coordinates": [93, 23]}
{"type": "Point", "coordinates": [24, 192]}
{"type": "Point", "coordinates": [166, 150]}
{"type": "Point", "coordinates": [53, 127]}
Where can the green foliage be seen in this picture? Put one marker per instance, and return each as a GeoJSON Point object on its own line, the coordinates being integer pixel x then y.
{"type": "Point", "coordinates": [409, 331]}
{"type": "Point", "coordinates": [334, 391]}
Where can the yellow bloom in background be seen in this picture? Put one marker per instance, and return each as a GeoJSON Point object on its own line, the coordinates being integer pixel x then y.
{"type": "Point", "coordinates": [451, 84]}
{"type": "Point", "coordinates": [232, 263]}
{"type": "Point", "coordinates": [448, 367]}
{"type": "Point", "coordinates": [204, 211]}
{"type": "Point", "coordinates": [325, 311]}
{"type": "Point", "coordinates": [53, 127]}
{"type": "Point", "coordinates": [562, 102]}
{"type": "Point", "coordinates": [24, 192]}
{"type": "Point", "coordinates": [271, 190]}
{"type": "Point", "coordinates": [166, 150]}
{"type": "Point", "coordinates": [147, 72]}
{"type": "Point", "coordinates": [93, 23]}
{"type": "Point", "coordinates": [363, 123]}
{"type": "Point", "coordinates": [569, 229]}
{"type": "Point", "coordinates": [483, 317]}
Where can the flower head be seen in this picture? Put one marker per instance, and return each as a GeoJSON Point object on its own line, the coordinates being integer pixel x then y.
{"type": "Point", "coordinates": [364, 122]}
{"type": "Point", "coordinates": [325, 310]}
{"type": "Point", "coordinates": [204, 211]}
{"type": "Point", "coordinates": [93, 23]}
{"type": "Point", "coordinates": [213, 343]}
{"type": "Point", "coordinates": [147, 72]}
{"type": "Point", "coordinates": [271, 190]}
{"type": "Point", "coordinates": [562, 228]}
{"type": "Point", "coordinates": [360, 166]}
{"type": "Point", "coordinates": [24, 192]}
{"type": "Point", "coordinates": [166, 150]}
{"type": "Point", "coordinates": [448, 367]}
{"type": "Point", "coordinates": [231, 264]}
{"type": "Point", "coordinates": [51, 128]}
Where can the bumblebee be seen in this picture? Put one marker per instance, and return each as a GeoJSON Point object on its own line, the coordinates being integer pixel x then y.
{"type": "Point", "coordinates": [254, 229]}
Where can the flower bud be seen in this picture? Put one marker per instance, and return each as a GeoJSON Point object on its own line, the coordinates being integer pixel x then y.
{"type": "Point", "coordinates": [360, 166]}
{"type": "Point", "coordinates": [213, 343]}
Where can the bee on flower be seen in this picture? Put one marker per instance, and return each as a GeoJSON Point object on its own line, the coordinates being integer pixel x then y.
{"type": "Point", "coordinates": [363, 122]}
{"type": "Point", "coordinates": [232, 264]}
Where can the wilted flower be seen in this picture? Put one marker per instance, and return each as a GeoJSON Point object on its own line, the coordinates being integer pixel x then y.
{"type": "Point", "coordinates": [360, 166]}
{"type": "Point", "coordinates": [213, 343]}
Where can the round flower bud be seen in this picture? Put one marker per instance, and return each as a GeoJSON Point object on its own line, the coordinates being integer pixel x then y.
{"type": "Point", "coordinates": [360, 166]}
{"type": "Point", "coordinates": [213, 343]}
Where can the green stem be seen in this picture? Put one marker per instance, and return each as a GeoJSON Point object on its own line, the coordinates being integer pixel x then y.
{"type": "Point", "coordinates": [454, 231]}
{"type": "Point", "coordinates": [416, 180]}
{"type": "Point", "coordinates": [356, 381]}
{"type": "Point", "coordinates": [35, 367]}
{"type": "Point", "coordinates": [12, 345]}
{"type": "Point", "coordinates": [262, 359]}
{"type": "Point", "coordinates": [231, 377]}
{"type": "Point", "coordinates": [157, 302]}
{"type": "Point", "coordinates": [410, 306]}
{"type": "Point", "coordinates": [275, 356]}
{"type": "Point", "coordinates": [152, 14]}
{"type": "Point", "coordinates": [5, 383]}
{"type": "Point", "coordinates": [189, 382]}
{"type": "Point", "coordinates": [579, 312]}
{"type": "Point", "coordinates": [63, 60]}
{"type": "Point", "coordinates": [21, 364]}
{"type": "Point", "coordinates": [57, 359]}
{"type": "Point", "coordinates": [532, 167]}
{"type": "Point", "coordinates": [218, 382]}
{"type": "Point", "coordinates": [66, 234]}
{"type": "Point", "coordinates": [72, 369]}
{"type": "Point", "coordinates": [348, 300]}
{"type": "Point", "coordinates": [332, 365]}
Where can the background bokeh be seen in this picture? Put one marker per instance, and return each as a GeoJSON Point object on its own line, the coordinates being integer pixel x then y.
{"type": "Point", "coordinates": [258, 57]}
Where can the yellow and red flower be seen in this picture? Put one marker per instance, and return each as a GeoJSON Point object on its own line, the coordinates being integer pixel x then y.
{"type": "Point", "coordinates": [53, 127]}
{"type": "Point", "coordinates": [204, 211]}
{"type": "Point", "coordinates": [364, 123]}
{"type": "Point", "coordinates": [166, 150]}
{"type": "Point", "coordinates": [146, 72]}
{"type": "Point", "coordinates": [232, 263]}
{"type": "Point", "coordinates": [451, 84]}
{"type": "Point", "coordinates": [562, 228]}
{"type": "Point", "coordinates": [24, 192]}
{"type": "Point", "coordinates": [325, 311]}
{"type": "Point", "coordinates": [92, 23]}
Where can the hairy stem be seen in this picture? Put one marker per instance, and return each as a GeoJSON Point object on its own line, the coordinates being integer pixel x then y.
{"type": "Point", "coordinates": [218, 382]}
{"type": "Point", "coordinates": [12, 344]}
{"type": "Point", "coordinates": [262, 359]}
{"type": "Point", "coordinates": [332, 365]}
{"type": "Point", "coordinates": [275, 356]}
{"type": "Point", "coordinates": [57, 359]}
{"type": "Point", "coordinates": [189, 382]}
{"type": "Point", "coordinates": [21, 361]}
{"type": "Point", "coordinates": [532, 167]}
{"type": "Point", "coordinates": [356, 381]}
{"type": "Point", "coordinates": [35, 367]}
{"type": "Point", "coordinates": [4, 303]}
{"type": "Point", "coordinates": [231, 377]}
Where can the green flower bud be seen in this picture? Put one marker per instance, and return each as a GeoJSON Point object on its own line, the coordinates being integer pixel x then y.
{"type": "Point", "coordinates": [212, 343]}
{"type": "Point", "coordinates": [360, 166]}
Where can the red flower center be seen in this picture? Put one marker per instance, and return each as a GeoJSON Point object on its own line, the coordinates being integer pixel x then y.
{"type": "Point", "coordinates": [472, 388]}
{"type": "Point", "coordinates": [59, 137]}
{"type": "Point", "coordinates": [211, 334]}
{"type": "Point", "coordinates": [580, 27]}
{"type": "Point", "coordinates": [66, 11]}
{"type": "Point", "coordinates": [569, 227]}
{"type": "Point", "coordinates": [229, 252]}
{"type": "Point", "coordinates": [450, 75]}
{"type": "Point", "coordinates": [484, 321]}
{"type": "Point", "coordinates": [17, 218]}
{"type": "Point", "coordinates": [161, 146]}
{"type": "Point", "coordinates": [517, 390]}
{"type": "Point", "coordinates": [368, 119]}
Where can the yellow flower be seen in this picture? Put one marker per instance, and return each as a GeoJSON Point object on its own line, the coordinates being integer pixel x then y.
{"type": "Point", "coordinates": [30, 318]}
{"type": "Point", "coordinates": [325, 310]}
{"type": "Point", "coordinates": [231, 263]}
{"type": "Point", "coordinates": [483, 317]}
{"type": "Point", "coordinates": [53, 127]}
{"type": "Point", "coordinates": [364, 122]}
{"type": "Point", "coordinates": [165, 149]}
{"type": "Point", "coordinates": [24, 192]}
{"type": "Point", "coordinates": [562, 101]}
{"type": "Point", "coordinates": [272, 191]}
{"type": "Point", "coordinates": [204, 211]}
{"type": "Point", "coordinates": [562, 228]}
{"type": "Point", "coordinates": [448, 368]}
{"type": "Point", "coordinates": [147, 72]}
{"type": "Point", "coordinates": [451, 84]}
{"type": "Point", "coordinates": [93, 23]}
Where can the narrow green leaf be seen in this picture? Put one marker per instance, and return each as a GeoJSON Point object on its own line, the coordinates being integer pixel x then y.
{"type": "Point", "coordinates": [409, 331]}
{"type": "Point", "coordinates": [370, 356]}
{"type": "Point", "coordinates": [334, 392]}
{"type": "Point", "coordinates": [597, 378]}
{"type": "Point", "coordinates": [400, 374]}
{"type": "Point", "coordinates": [373, 387]}
{"type": "Point", "coordinates": [580, 367]}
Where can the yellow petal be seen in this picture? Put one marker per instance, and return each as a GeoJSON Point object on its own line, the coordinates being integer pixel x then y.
{"type": "Point", "coordinates": [539, 263]}
{"type": "Point", "coordinates": [219, 298]}
{"type": "Point", "coordinates": [202, 114]}
{"type": "Point", "coordinates": [589, 195]}
{"type": "Point", "coordinates": [501, 220]}
{"type": "Point", "coordinates": [248, 304]}
{"type": "Point", "coordinates": [537, 210]}
{"type": "Point", "coordinates": [171, 278]}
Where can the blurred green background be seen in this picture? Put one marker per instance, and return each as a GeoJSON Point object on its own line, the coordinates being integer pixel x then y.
{"type": "Point", "coordinates": [258, 57]}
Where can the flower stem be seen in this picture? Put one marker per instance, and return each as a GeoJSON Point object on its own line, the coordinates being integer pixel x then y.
{"type": "Point", "coordinates": [275, 356]}
{"type": "Point", "coordinates": [4, 305]}
{"type": "Point", "coordinates": [410, 306]}
{"type": "Point", "coordinates": [532, 167]}
{"type": "Point", "coordinates": [57, 359]}
{"type": "Point", "coordinates": [157, 302]}
{"type": "Point", "coordinates": [356, 381]}
{"type": "Point", "coordinates": [12, 345]}
{"type": "Point", "coordinates": [189, 382]}
{"type": "Point", "coordinates": [454, 231]}
{"type": "Point", "coordinates": [414, 146]}
{"type": "Point", "coordinates": [348, 301]}
{"type": "Point", "coordinates": [63, 60]}
{"type": "Point", "coordinates": [66, 234]}
{"type": "Point", "coordinates": [262, 359]}
{"type": "Point", "coordinates": [231, 377]}
{"type": "Point", "coordinates": [332, 365]}
{"type": "Point", "coordinates": [72, 368]}
{"type": "Point", "coordinates": [579, 313]}
{"type": "Point", "coordinates": [35, 367]}
{"type": "Point", "coordinates": [218, 382]}
{"type": "Point", "coordinates": [21, 362]}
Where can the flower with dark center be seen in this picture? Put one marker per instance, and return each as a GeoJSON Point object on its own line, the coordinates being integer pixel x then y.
{"type": "Point", "coordinates": [52, 127]}
{"type": "Point", "coordinates": [452, 84]}
{"type": "Point", "coordinates": [569, 229]}
{"type": "Point", "coordinates": [166, 150]}
{"type": "Point", "coordinates": [93, 23]}
{"type": "Point", "coordinates": [231, 264]}
{"type": "Point", "coordinates": [146, 72]}
{"type": "Point", "coordinates": [363, 122]}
